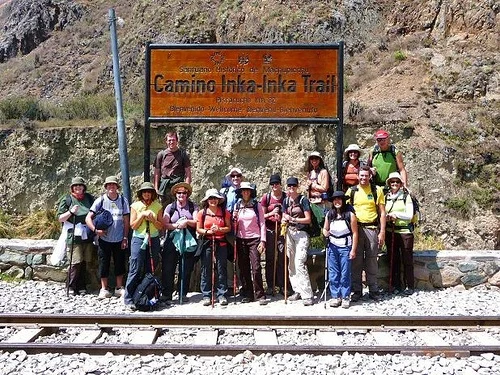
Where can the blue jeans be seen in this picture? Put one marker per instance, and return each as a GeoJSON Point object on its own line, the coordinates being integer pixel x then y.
{"type": "Point", "coordinates": [140, 264]}
{"type": "Point", "coordinates": [206, 270]}
{"type": "Point", "coordinates": [339, 271]}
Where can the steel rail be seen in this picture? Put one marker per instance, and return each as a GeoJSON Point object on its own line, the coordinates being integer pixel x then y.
{"type": "Point", "coordinates": [223, 350]}
{"type": "Point", "coordinates": [245, 321]}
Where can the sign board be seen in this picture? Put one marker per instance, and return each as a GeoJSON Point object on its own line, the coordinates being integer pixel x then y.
{"type": "Point", "coordinates": [243, 83]}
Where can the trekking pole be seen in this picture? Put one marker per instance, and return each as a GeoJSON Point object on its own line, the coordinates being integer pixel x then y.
{"type": "Point", "coordinates": [181, 276]}
{"type": "Point", "coordinates": [71, 255]}
{"type": "Point", "coordinates": [235, 254]}
{"type": "Point", "coordinates": [391, 262]}
{"type": "Point", "coordinates": [285, 266]}
{"type": "Point", "coordinates": [150, 252]}
{"type": "Point", "coordinates": [275, 255]}
{"type": "Point", "coordinates": [213, 270]}
{"type": "Point", "coordinates": [327, 283]}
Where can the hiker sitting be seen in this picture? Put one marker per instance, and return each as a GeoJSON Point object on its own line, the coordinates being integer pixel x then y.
{"type": "Point", "coordinates": [318, 183]}
{"type": "Point", "coordinates": [172, 165]}
{"type": "Point", "coordinates": [146, 217]}
{"type": "Point", "coordinates": [399, 236]}
{"type": "Point", "coordinates": [297, 216]}
{"type": "Point", "coordinates": [341, 230]}
{"type": "Point", "coordinates": [250, 233]}
{"type": "Point", "coordinates": [180, 215]}
{"type": "Point", "coordinates": [213, 222]}
{"type": "Point", "coordinates": [385, 158]}
{"type": "Point", "coordinates": [72, 210]}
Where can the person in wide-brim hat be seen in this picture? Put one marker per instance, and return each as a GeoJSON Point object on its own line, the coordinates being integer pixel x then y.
{"type": "Point", "coordinates": [245, 185]}
{"type": "Point", "coordinates": [78, 181]}
{"type": "Point", "coordinates": [147, 186]}
{"type": "Point", "coordinates": [350, 148]}
{"type": "Point", "coordinates": [338, 194]}
{"type": "Point", "coordinates": [212, 193]}
{"type": "Point", "coordinates": [111, 180]}
{"type": "Point", "coordinates": [179, 185]}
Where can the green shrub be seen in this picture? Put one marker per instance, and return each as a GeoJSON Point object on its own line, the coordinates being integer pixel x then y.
{"type": "Point", "coordinates": [92, 107]}
{"type": "Point", "coordinates": [399, 55]}
{"type": "Point", "coordinates": [461, 206]}
{"type": "Point", "coordinates": [18, 107]}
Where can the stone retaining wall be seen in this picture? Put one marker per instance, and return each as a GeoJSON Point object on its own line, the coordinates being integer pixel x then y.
{"type": "Point", "coordinates": [30, 259]}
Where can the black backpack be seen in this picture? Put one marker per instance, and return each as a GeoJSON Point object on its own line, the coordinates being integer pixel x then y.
{"type": "Point", "coordinates": [314, 228]}
{"type": "Point", "coordinates": [146, 295]}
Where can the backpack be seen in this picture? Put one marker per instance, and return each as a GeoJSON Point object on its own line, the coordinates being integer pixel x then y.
{"type": "Point", "coordinates": [374, 191]}
{"type": "Point", "coordinates": [173, 208]}
{"type": "Point", "coordinates": [255, 207]}
{"type": "Point", "coordinates": [376, 150]}
{"type": "Point", "coordinates": [146, 295]}
{"type": "Point", "coordinates": [417, 217]}
{"type": "Point", "coordinates": [346, 216]}
{"type": "Point", "coordinates": [268, 198]}
{"type": "Point", "coordinates": [317, 216]}
{"type": "Point", "coordinates": [331, 186]}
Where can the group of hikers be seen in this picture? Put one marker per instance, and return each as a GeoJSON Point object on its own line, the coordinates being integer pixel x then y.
{"type": "Point", "coordinates": [232, 228]}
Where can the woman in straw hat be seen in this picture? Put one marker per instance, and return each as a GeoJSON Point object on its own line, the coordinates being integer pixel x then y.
{"type": "Point", "coordinates": [146, 221]}
{"type": "Point", "coordinates": [71, 211]}
{"type": "Point", "coordinates": [213, 222]}
{"type": "Point", "coordinates": [180, 214]}
{"type": "Point", "coordinates": [351, 165]}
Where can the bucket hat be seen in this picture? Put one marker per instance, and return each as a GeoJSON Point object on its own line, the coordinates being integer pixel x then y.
{"type": "Point", "coordinates": [315, 154]}
{"type": "Point", "coordinates": [111, 180]}
{"type": "Point", "coordinates": [352, 147]}
{"type": "Point", "coordinates": [78, 181]}
{"type": "Point", "coordinates": [338, 194]}
{"type": "Point", "coordinates": [212, 193]}
{"type": "Point", "coordinates": [393, 176]}
{"type": "Point", "coordinates": [234, 170]}
{"type": "Point", "coordinates": [179, 185]}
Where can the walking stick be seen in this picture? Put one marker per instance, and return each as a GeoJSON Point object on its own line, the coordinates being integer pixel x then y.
{"type": "Point", "coordinates": [181, 275]}
{"type": "Point", "coordinates": [275, 255]}
{"type": "Point", "coordinates": [391, 262]}
{"type": "Point", "coordinates": [285, 266]}
{"type": "Point", "coordinates": [213, 270]}
{"type": "Point", "coordinates": [150, 252]}
{"type": "Point", "coordinates": [235, 254]}
{"type": "Point", "coordinates": [71, 255]}
{"type": "Point", "coordinates": [327, 283]}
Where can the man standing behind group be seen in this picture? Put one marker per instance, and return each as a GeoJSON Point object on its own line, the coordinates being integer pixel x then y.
{"type": "Point", "coordinates": [385, 158]}
{"type": "Point", "coordinates": [172, 166]}
{"type": "Point", "coordinates": [369, 205]}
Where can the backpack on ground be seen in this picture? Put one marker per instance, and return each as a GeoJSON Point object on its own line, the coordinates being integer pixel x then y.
{"type": "Point", "coordinates": [146, 294]}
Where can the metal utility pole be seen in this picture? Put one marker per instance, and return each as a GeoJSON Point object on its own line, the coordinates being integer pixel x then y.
{"type": "Point", "coordinates": [120, 123]}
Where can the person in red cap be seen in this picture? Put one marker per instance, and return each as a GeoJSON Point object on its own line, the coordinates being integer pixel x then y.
{"type": "Point", "coordinates": [385, 158]}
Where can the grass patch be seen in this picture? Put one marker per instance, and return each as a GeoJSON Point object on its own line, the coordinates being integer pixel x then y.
{"type": "Point", "coordinates": [399, 55]}
{"type": "Point", "coordinates": [427, 241]}
{"type": "Point", "coordinates": [10, 279]}
{"type": "Point", "coordinates": [460, 205]}
{"type": "Point", "coordinates": [38, 226]}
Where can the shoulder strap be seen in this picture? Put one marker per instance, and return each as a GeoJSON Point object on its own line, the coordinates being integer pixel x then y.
{"type": "Point", "coordinates": [203, 215]}
{"type": "Point", "coordinates": [173, 207]}
{"type": "Point", "coordinates": [268, 199]}
{"type": "Point", "coordinates": [68, 200]}
{"type": "Point", "coordinates": [353, 190]}
{"type": "Point", "coordinates": [190, 206]}
{"type": "Point", "coordinates": [373, 188]}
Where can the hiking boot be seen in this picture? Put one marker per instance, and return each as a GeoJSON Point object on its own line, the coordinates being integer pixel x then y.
{"type": "Point", "coordinates": [335, 302]}
{"type": "Point", "coordinates": [308, 302]}
{"type": "Point", "coordinates": [374, 296]}
{"type": "Point", "coordinates": [185, 299]}
{"type": "Point", "coordinates": [130, 307]}
{"type": "Point", "coordinates": [72, 292]}
{"type": "Point", "coordinates": [104, 293]}
{"type": "Point", "coordinates": [269, 291]}
{"type": "Point", "coordinates": [409, 291]}
{"type": "Point", "coordinates": [82, 292]}
{"type": "Point", "coordinates": [356, 296]}
{"type": "Point", "coordinates": [119, 292]}
{"type": "Point", "coordinates": [263, 301]}
{"type": "Point", "coordinates": [345, 303]}
{"type": "Point", "coordinates": [294, 297]}
{"type": "Point", "coordinates": [246, 300]}
{"type": "Point", "coordinates": [223, 301]}
{"type": "Point", "coordinates": [206, 301]}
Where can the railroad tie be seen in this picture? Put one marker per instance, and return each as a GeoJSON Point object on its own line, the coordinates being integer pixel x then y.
{"type": "Point", "coordinates": [88, 336]}
{"type": "Point", "coordinates": [384, 338]}
{"type": "Point", "coordinates": [329, 338]}
{"type": "Point", "coordinates": [144, 337]}
{"type": "Point", "coordinates": [484, 338]}
{"type": "Point", "coordinates": [432, 338]}
{"type": "Point", "coordinates": [265, 337]}
{"type": "Point", "coordinates": [206, 337]}
{"type": "Point", "coordinates": [26, 335]}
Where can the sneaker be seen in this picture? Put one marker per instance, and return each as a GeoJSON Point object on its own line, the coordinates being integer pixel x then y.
{"type": "Point", "coordinates": [72, 292]}
{"type": "Point", "coordinates": [104, 293]}
{"type": "Point", "coordinates": [294, 297]}
{"type": "Point", "coordinates": [335, 302]}
{"type": "Point", "coordinates": [374, 296]}
{"type": "Point", "coordinates": [130, 307]}
{"type": "Point", "coordinates": [119, 292]}
{"type": "Point", "coordinates": [246, 300]}
{"type": "Point", "coordinates": [185, 299]}
{"type": "Point", "coordinates": [82, 292]}
{"type": "Point", "coordinates": [409, 291]}
{"type": "Point", "coordinates": [345, 303]}
{"type": "Point", "coordinates": [308, 302]}
{"type": "Point", "coordinates": [223, 301]}
{"type": "Point", "coordinates": [356, 296]}
{"type": "Point", "coordinates": [263, 301]}
{"type": "Point", "coordinates": [206, 301]}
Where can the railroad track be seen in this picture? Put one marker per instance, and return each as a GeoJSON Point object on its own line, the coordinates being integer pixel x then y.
{"type": "Point", "coordinates": [231, 335]}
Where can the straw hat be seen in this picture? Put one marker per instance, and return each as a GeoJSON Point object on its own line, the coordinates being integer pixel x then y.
{"type": "Point", "coordinates": [179, 185]}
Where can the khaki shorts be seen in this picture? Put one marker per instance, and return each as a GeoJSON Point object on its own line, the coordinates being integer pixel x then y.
{"type": "Point", "coordinates": [82, 252]}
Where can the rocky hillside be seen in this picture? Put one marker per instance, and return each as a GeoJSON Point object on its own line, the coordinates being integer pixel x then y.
{"type": "Point", "coordinates": [425, 70]}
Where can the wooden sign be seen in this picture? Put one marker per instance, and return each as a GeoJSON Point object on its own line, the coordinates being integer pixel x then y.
{"type": "Point", "coordinates": [231, 82]}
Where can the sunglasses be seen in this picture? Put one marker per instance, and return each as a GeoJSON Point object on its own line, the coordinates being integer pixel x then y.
{"type": "Point", "coordinates": [381, 139]}
{"type": "Point", "coordinates": [292, 185]}
{"type": "Point", "coordinates": [181, 192]}
{"type": "Point", "coordinates": [275, 183]}
{"type": "Point", "coordinates": [394, 182]}
{"type": "Point", "coordinates": [212, 198]}
{"type": "Point", "coordinates": [235, 175]}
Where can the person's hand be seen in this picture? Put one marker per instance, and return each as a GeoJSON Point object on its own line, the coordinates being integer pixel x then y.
{"type": "Point", "coordinates": [73, 210]}
{"type": "Point", "coordinates": [381, 239]}
{"type": "Point", "coordinates": [391, 217]}
{"type": "Point", "coordinates": [352, 254]}
{"type": "Point", "coordinates": [181, 223]}
{"type": "Point", "coordinates": [262, 247]}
